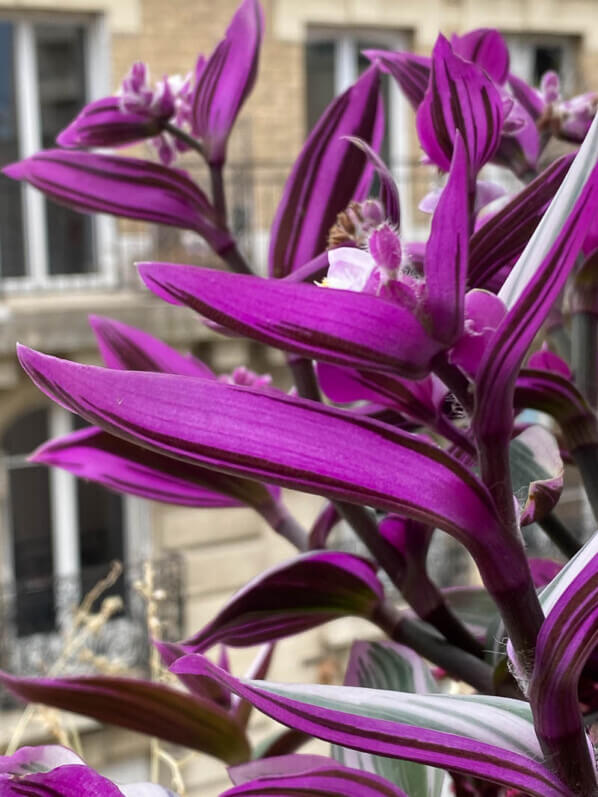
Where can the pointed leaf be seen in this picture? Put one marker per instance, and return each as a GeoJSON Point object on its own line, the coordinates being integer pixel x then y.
{"type": "Point", "coordinates": [536, 473]}
{"type": "Point", "coordinates": [67, 781]}
{"type": "Point", "coordinates": [41, 758]}
{"type": "Point", "coordinates": [226, 80]}
{"type": "Point", "coordinates": [411, 72]}
{"type": "Point", "coordinates": [460, 96]}
{"type": "Point", "coordinates": [389, 191]}
{"type": "Point", "coordinates": [488, 737]}
{"type": "Point", "coordinates": [301, 775]}
{"type": "Point", "coordinates": [327, 175]}
{"type": "Point", "coordinates": [445, 264]}
{"type": "Point", "coordinates": [531, 289]}
{"type": "Point", "coordinates": [128, 187]}
{"type": "Point", "coordinates": [487, 48]}
{"type": "Point", "coordinates": [131, 349]}
{"type": "Point", "coordinates": [299, 594]}
{"type": "Point", "coordinates": [340, 326]}
{"type": "Point", "coordinates": [149, 708]}
{"type": "Point", "coordinates": [104, 123]}
{"type": "Point", "coordinates": [205, 688]}
{"type": "Point", "coordinates": [499, 243]}
{"type": "Point", "coordinates": [103, 458]}
{"type": "Point", "coordinates": [298, 443]}
{"type": "Point", "coordinates": [386, 665]}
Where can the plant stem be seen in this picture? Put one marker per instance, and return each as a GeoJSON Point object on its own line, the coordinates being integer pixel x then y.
{"type": "Point", "coordinates": [560, 535]}
{"type": "Point", "coordinates": [235, 260]}
{"type": "Point", "coordinates": [218, 193]}
{"type": "Point", "coordinates": [455, 380]}
{"type": "Point", "coordinates": [428, 644]}
{"type": "Point", "coordinates": [281, 520]}
{"type": "Point", "coordinates": [584, 355]}
{"type": "Point", "coordinates": [305, 377]}
{"type": "Point", "coordinates": [191, 142]}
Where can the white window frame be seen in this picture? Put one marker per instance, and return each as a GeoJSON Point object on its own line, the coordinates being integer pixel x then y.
{"type": "Point", "coordinates": [97, 59]}
{"type": "Point", "coordinates": [521, 51]}
{"type": "Point", "coordinates": [65, 530]}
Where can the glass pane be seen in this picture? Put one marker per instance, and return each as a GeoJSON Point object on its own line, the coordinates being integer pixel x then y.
{"type": "Point", "coordinates": [61, 76]}
{"type": "Point", "coordinates": [547, 58]}
{"type": "Point", "coordinates": [12, 253]}
{"type": "Point", "coordinates": [362, 64]}
{"type": "Point", "coordinates": [319, 73]}
{"type": "Point", "coordinates": [100, 531]}
{"type": "Point", "coordinates": [26, 433]}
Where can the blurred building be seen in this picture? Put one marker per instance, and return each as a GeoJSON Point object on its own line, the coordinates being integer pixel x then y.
{"type": "Point", "coordinates": [57, 535]}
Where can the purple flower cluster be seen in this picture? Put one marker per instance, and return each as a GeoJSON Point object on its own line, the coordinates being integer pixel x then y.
{"type": "Point", "coordinates": [429, 354]}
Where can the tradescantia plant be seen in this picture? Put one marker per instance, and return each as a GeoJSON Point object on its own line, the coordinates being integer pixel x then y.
{"type": "Point", "coordinates": [426, 354]}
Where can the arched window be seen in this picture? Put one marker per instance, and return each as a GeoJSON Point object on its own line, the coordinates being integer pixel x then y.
{"type": "Point", "coordinates": [62, 532]}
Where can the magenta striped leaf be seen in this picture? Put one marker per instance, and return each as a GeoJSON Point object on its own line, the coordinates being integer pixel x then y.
{"type": "Point", "coordinates": [299, 775]}
{"type": "Point", "coordinates": [487, 737]}
{"type": "Point", "coordinates": [460, 96]}
{"type": "Point", "coordinates": [411, 72]}
{"type": "Point", "coordinates": [445, 264]}
{"type": "Point", "coordinates": [131, 349]}
{"type": "Point", "coordinates": [323, 525]}
{"type": "Point", "coordinates": [486, 48]}
{"type": "Point", "coordinates": [298, 443]}
{"type": "Point", "coordinates": [226, 80]}
{"type": "Point", "coordinates": [108, 460]}
{"type": "Point", "coordinates": [345, 327]}
{"type": "Point", "coordinates": [498, 243]}
{"type": "Point", "coordinates": [142, 706]}
{"type": "Point", "coordinates": [567, 639]}
{"type": "Point", "coordinates": [328, 174]}
{"type": "Point", "coordinates": [128, 187]}
{"type": "Point", "coordinates": [389, 191]}
{"type": "Point", "coordinates": [295, 596]}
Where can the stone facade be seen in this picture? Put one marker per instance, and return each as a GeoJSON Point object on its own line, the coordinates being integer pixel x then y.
{"type": "Point", "coordinates": [223, 549]}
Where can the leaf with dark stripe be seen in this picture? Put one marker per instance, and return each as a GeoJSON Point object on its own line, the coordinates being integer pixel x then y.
{"type": "Point", "coordinates": [104, 123]}
{"type": "Point", "coordinates": [498, 243]}
{"type": "Point", "coordinates": [141, 706]}
{"type": "Point", "coordinates": [297, 595]}
{"type": "Point", "coordinates": [389, 192]}
{"type": "Point", "coordinates": [411, 72]}
{"type": "Point", "coordinates": [306, 776]}
{"type": "Point", "coordinates": [460, 96]}
{"type": "Point", "coordinates": [128, 187]}
{"type": "Point", "coordinates": [488, 737]}
{"type": "Point", "coordinates": [344, 327]}
{"type": "Point", "coordinates": [287, 441]}
{"type": "Point", "coordinates": [327, 175]}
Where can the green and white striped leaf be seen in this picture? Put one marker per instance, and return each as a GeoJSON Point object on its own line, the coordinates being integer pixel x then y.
{"type": "Point", "coordinates": [385, 665]}
{"type": "Point", "coordinates": [554, 219]}
{"type": "Point", "coordinates": [553, 591]}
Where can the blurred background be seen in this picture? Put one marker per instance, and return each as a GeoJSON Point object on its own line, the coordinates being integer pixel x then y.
{"type": "Point", "coordinates": [58, 536]}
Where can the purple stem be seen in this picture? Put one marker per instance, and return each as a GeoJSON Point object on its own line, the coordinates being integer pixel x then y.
{"type": "Point", "coordinates": [455, 380]}
{"type": "Point", "coordinates": [191, 142]}
{"type": "Point", "coordinates": [281, 520]}
{"type": "Point", "coordinates": [218, 193]}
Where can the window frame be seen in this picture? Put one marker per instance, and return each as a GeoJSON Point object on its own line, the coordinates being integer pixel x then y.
{"type": "Point", "coordinates": [346, 54]}
{"type": "Point", "coordinates": [33, 202]}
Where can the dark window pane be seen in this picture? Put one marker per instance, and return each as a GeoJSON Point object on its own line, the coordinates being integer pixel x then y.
{"type": "Point", "coordinates": [319, 68]}
{"type": "Point", "coordinates": [61, 75]}
{"type": "Point", "coordinates": [32, 549]}
{"type": "Point", "coordinates": [12, 255]}
{"type": "Point", "coordinates": [547, 58]}
{"type": "Point", "coordinates": [26, 433]}
{"type": "Point", "coordinates": [363, 64]}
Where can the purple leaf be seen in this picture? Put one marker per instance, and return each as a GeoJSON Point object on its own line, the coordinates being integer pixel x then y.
{"type": "Point", "coordinates": [128, 187]}
{"type": "Point", "coordinates": [495, 383]}
{"type": "Point", "coordinates": [119, 465]}
{"type": "Point", "coordinates": [445, 264]}
{"type": "Point", "coordinates": [328, 174]}
{"type": "Point", "coordinates": [389, 192]}
{"type": "Point", "coordinates": [527, 96]}
{"type": "Point", "coordinates": [500, 242]}
{"type": "Point", "coordinates": [125, 347]}
{"type": "Point", "coordinates": [567, 639]}
{"type": "Point", "coordinates": [411, 72]}
{"type": "Point", "coordinates": [486, 48]}
{"type": "Point", "coordinates": [104, 124]}
{"type": "Point", "coordinates": [345, 327]}
{"type": "Point", "coordinates": [226, 80]}
{"type": "Point", "coordinates": [301, 775]}
{"type": "Point", "coordinates": [205, 688]}
{"type": "Point", "coordinates": [459, 97]}
{"type": "Point", "coordinates": [295, 596]}
{"type": "Point", "coordinates": [364, 719]}
{"type": "Point", "coordinates": [297, 443]}
{"type": "Point", "coordinates": [258, 671]}
{"type": "Point", "coordinates": [142, 706]}
{"type": "Point", "coordinates": [69, 780]}
{"type": "Point", "coordinates": [537, 468]}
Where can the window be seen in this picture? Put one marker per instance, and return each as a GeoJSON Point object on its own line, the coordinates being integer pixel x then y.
{"type": "Point", "coordinates": [62, 532]}
{"type": "Point", "coordinates": [49, 68]}
{"type": "Point", "coordinates": [533, 55]}
{"type": "Point", "coordinates": [333, 61]}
